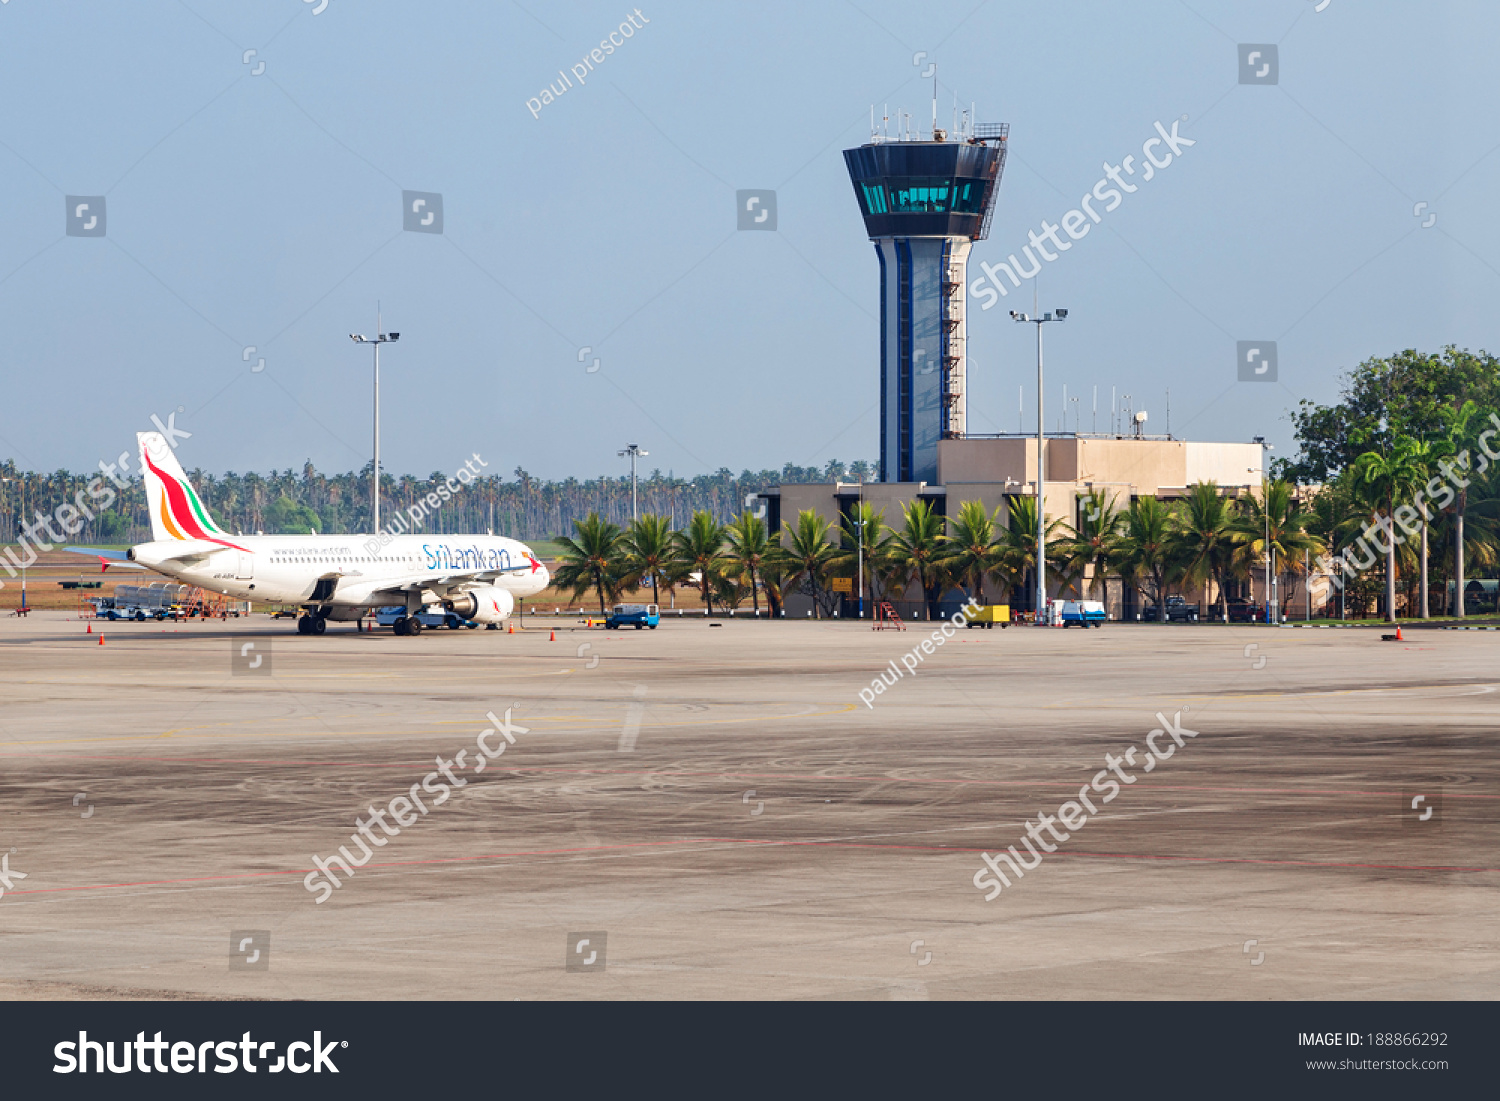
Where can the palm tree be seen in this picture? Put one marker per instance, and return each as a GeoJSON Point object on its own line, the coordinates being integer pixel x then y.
{"type": "Point", "coordinates": [1017, 543]}
{"type": "Point", "coordinates": [648, 547]}
{"type": "Point", "coordinates": [972, 549]}
{"type": "Point", "coordinates": [1423, 455]}
{"type": "Point", "coordinates": [773, 569]}
{"type": "Point", "coordinates": [1458, 437]}
{"type": "Point", "coordinates": [1383, 476]}
{"type": "Point", "coordinates": [1145, 549]}
{"type": "Point", "coordinates": [748, 547]}
{"type": "Point", "coordinates": [1334, 518]}
{"type": "Point", "coordinates": [593, 559]}
{"type": "Point", "coordinates": [1094, 540]}
{"type": "Point", "coordinates": [807, 554]}
{"type": "Point", "coordinates": [1203, 538]}
{"type": "Point", "coordinates": [874, 550]}
{"type": "Point", "coordinates": [1275, 510]}
{"type": "Point", "coordinates": [698, 547]}
{"type": "Point", "coordinates": [919, 552]}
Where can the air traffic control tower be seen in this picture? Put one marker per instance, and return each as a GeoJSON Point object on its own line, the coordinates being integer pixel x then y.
{"type": "Point", "coordinates": [925, 203]}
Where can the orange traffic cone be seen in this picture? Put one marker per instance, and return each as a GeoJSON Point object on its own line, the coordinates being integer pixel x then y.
{"type": "Point", "coordinates": [512, 629]}
{"type": "Point", "coordinates": [90, 630]}
{"type": "Point", "coordinates": [1398, 633]}
{"type": "Point", "coordinates": [101, 639]}
{"type": "Point", "coordinates": [553, 638]}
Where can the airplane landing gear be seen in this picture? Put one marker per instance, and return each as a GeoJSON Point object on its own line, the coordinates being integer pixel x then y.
{"type": "Point", "coordinates": [408, 625]}
{"type": "Point", "coordinates": [312, 624]}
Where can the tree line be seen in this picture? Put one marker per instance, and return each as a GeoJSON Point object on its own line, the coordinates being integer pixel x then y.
{"type": "Point", "coordinates": [1365, 503]}
{"type": "Point", "coordinates": [1152, 544]}
{"type": "Point", "coordinates": [288, 503]}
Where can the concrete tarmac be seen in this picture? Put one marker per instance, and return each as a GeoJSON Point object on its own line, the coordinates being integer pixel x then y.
{"type": "Point", "coordinates": [718, 802]}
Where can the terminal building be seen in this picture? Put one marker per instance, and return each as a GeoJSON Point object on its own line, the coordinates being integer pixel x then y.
{"type": "Point", "coordinates": [925, 201]}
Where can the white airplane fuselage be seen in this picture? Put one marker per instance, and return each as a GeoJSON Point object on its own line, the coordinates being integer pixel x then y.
{"type": "Point", "coordinates": [340, 575]}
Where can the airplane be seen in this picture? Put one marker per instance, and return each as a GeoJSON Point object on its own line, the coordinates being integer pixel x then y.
{"type": "Point", "coordinates": [477, 577]}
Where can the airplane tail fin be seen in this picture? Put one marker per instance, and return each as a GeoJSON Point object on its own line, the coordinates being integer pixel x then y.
{"type": "Point", "coordinates": [176, 511]}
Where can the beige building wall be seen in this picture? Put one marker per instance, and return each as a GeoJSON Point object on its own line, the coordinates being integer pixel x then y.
{"type": "Point", "coordinates": [992, 471]}
{"type": "Point", "coordinates": [1229, 464]}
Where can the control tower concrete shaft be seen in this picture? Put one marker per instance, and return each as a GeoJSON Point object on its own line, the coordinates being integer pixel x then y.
{"type": "Point", "coordinates": [924, 203]}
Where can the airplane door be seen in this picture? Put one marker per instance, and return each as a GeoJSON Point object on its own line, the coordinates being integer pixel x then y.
{"type": "Point", "coordinates": [247, 566]}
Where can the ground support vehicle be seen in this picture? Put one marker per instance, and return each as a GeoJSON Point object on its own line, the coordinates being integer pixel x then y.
{"type": "Point", "coordinates": [632, 615]}
{"type": "Point", "coordinates": [988, 616]}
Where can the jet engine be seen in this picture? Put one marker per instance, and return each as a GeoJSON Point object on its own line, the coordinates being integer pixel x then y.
{"type": "Point", "coordinates": [486, 604]}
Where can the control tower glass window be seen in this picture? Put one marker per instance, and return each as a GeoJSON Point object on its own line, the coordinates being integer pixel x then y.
{"type": "Point", "coordinates": [968, 196]}
{"type": "Point", "coordinates": [920, 196]}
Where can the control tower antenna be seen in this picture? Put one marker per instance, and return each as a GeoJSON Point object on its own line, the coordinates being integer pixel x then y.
{"type": "Point", "coordinates": [935, 130]}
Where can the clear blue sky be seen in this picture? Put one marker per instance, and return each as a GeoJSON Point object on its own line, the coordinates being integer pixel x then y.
{"type": "Point", "coordinates": [265, 209]}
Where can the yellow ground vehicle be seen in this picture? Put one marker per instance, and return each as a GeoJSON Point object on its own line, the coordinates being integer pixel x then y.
{"type": "Point", "coordinates": [990, 615]}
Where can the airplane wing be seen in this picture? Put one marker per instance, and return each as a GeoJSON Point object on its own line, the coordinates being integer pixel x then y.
{"type": "Point", "coordinates": [439, 584]}
{"type": "Point", "coordinates": [107, 558]}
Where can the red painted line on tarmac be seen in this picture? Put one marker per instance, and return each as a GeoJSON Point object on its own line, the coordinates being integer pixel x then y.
{"type": "Point", "coordinates": [764, 842]}
{"type": "Point", "coordinates": [1126, 856]}
{"type": "Point", "coordinates": [733, 775]}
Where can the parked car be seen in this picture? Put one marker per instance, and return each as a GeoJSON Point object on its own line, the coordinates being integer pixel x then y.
{"type": "Point", "coordinates": [632, 615]}
{"type": "Point", "coordinates": [1242, 611]}
{"type": "Point", "coordinates": [1176, 608]}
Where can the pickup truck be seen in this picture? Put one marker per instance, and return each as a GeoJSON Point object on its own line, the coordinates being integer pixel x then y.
{"type": "Point", "coordinates": [632, 615]}
{"type": "Point", "coordinates": [1177, 610]}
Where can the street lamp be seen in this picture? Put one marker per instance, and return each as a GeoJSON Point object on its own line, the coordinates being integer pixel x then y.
{"type": "Point", "coordinates": [859, 571]}
{"type": "Point", "coordinates": [1265, 509]}
{"type": "Point", "coordinates": [378, 339]}
{"type": "Point", "coordinates": [1041, 457]}
{"type": "Point", "coordinates": [634, 452]}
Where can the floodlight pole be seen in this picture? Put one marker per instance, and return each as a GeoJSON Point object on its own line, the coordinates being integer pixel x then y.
{"type": "Point", "coordinates": [1041, 459]}
{"type": "Point", "coordinates": [379, 339]}
{"type": "Point", "coordinates": [1265, 508]}
{"type": "Point", "coordinates": [634, 452]}
{"type": "Point", "coordinates": [860, 569]}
